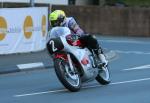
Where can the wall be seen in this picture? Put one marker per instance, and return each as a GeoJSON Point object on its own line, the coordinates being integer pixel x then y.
{"type": "Point", "coordinates": [125, 21]}
{"type": "Point", "coordinates": [83, 2]}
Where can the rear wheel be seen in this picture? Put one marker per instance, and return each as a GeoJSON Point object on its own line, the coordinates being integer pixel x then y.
{"type": "Point", "coordinates": [103, 76]}
{"type": "Point", "coordinates": [70, 79]}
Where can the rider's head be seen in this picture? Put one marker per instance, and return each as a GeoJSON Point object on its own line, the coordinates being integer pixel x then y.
{"type": "Point", "coordinates": [57, 18]}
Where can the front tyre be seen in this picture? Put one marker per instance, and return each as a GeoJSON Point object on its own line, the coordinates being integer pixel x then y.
{"type": "Point", "coordinates": [70, 79]}
{"type": "Point", "coordinates": [103, 76]}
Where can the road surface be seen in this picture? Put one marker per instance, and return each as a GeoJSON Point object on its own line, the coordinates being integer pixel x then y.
{"type": "Point", "coordinates": [130, 79]}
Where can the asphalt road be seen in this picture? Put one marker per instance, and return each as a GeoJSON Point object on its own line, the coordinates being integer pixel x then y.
{"type": "Point", "coordinates": [130, 79]}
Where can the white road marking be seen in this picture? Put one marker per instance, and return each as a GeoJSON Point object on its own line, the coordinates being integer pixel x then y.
{"type": "Point", "coordinates": [61, 90]}
{"type": "Point", "coordinates": [39, 93]}
{"type": "Point", "coordinates": [132, 52]}
{"type": "Point", "coordinates": [111, 54]}
{"type": "Point", "coordinates": [125, 41]}
{"type": "Point", "coordinates": [30, 65]}
{"type": "Point", "coordinates": [138, 68]}
{"type": "Point", "coordinates": [128, 41]}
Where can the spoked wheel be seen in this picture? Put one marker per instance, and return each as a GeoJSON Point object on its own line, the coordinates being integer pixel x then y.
{"type": "Point", "coordinates": [103, 76]}
{"type": "Point", "coordinates": [69, 78]}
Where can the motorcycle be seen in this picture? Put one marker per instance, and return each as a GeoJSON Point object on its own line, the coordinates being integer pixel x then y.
{"type": "Point", "coordinates": [73, 63]}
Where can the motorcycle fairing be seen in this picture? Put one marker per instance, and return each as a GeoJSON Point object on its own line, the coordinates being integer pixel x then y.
{"type": "Point", "coordinates": [55, 45]}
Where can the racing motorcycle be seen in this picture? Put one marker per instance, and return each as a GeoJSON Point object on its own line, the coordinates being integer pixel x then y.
{"type": "Point", "coordinates": [73, 63]}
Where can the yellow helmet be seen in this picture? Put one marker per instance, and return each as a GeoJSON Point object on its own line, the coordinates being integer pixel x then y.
{"type": "Point", "coordinates": [57, 17]}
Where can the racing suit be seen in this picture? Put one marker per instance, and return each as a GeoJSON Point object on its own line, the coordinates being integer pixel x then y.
{"type": "Point", "coordinates": [89, 41]}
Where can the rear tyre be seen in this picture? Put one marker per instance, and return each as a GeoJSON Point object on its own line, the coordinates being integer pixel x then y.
{"type": "Point", "coordinates": [70, 79]}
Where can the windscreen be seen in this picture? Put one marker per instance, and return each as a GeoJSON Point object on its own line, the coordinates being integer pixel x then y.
{"type": "Point", "coordinates": [59, 31]}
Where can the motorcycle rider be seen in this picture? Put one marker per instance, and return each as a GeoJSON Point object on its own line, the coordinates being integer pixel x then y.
{"type": "Point", "coordinates": [58, 18]}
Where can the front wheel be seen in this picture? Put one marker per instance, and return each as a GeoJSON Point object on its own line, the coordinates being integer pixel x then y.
{"type": "Point", "coordinates": [103, 76]}
{"type": "Point", "coordinates": [70, 79]}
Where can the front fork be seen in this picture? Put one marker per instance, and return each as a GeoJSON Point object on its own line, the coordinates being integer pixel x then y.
{"type": "Point", "coordinates": [65, 57]}
{"type": "Point", "coordinates": [71, 71]}
{"type": "Point", "coordinates": [70, 62]}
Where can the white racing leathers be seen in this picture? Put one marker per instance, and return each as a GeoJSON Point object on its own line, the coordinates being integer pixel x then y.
{"type": "Point", "coordinates": [73, 26]}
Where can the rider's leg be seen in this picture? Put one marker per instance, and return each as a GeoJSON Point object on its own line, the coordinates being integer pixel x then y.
{"type": "Point", "coordinates": [101, 56]}
{"type": "Point", "coordinates": [91, 42]}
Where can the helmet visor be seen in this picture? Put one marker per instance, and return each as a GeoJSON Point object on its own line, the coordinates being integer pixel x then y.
{"type": "Point", "coordinates": [55, 23]}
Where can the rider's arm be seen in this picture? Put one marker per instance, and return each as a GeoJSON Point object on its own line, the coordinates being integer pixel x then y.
{"type": "Point", "coordinates": [72, 24]}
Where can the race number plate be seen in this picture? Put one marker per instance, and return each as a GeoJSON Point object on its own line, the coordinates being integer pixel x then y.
{"type": "Point", "coordinates": [55, 45]}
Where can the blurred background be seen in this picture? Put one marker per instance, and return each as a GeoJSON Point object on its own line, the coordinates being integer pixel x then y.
{"type": "Point", "coordinates": [106, 17]}
{"type": "Point", "coordinates": [11, 3]}
{"type": "Point", "coordinates": [100, 17]}
{"type": "Point", "coordinates": [143, 3]}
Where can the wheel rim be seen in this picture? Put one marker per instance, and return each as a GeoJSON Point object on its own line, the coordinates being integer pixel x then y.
{"type": "Point", "coordinates": [104, 73]}
{"type": "Point", "coordinates": [71, 77]}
